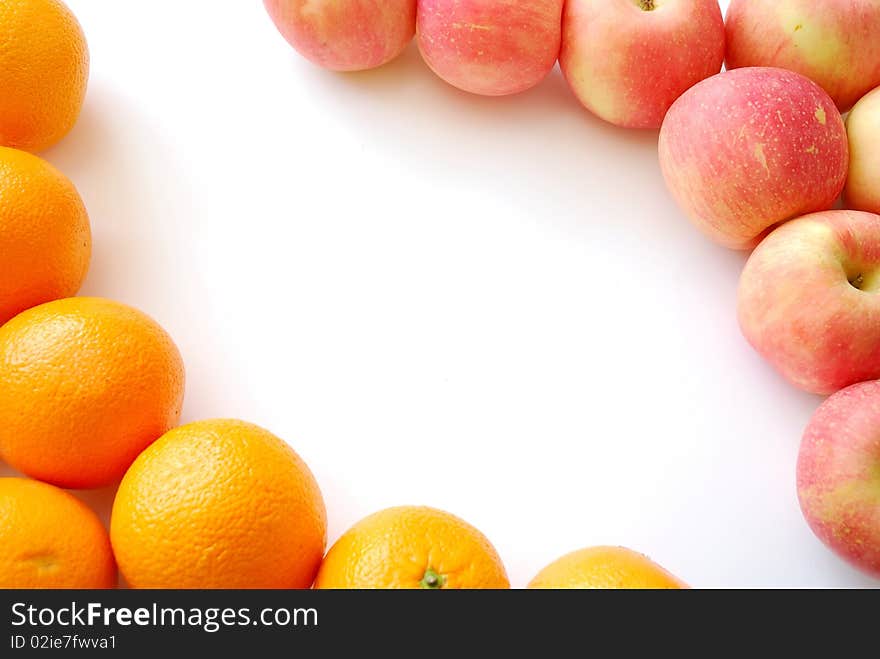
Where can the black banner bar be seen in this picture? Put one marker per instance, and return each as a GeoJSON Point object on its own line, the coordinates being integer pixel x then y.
{"type": "Point", "coordinates": [130, 623]}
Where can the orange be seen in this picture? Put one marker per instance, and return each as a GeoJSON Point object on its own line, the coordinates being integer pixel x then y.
{"type": "Point", "coordinates": [605, 568]}
{"type": "Point", "coordinates": [45, 241]}
{"type": "Point", "coordinates": [219, 504]}
{"type": "Point", "coordinates": [44, 70]}
{"type": "Point", "coordinates": [412, 547]}
{"type": "Point", "coordinates": [50, 539]}
{"type": "Point", "coordinates": [85, 385]}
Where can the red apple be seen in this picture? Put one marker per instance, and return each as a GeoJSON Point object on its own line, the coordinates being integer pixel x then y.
{"type": "Point", "coordinates": [345, 35]}
{"type": "Point", "coordinates": [490, 47]}
{"type": "Point", "coordinates": [745, 150]}
{"type": "Point", "coordinates": [838, 475]}
{"type": "Point", "coordinates": [863, 129]}
{"type": "Point", "coordinates": [628, 60]}
{"type": "Point", "coordinates": [834, 42]}
{"type": "Point", "coordinates": [809, 300]}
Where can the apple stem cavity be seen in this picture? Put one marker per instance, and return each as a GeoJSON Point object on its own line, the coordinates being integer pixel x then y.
{"type": "Point", "coordinates": [647, 5]}
{"type": "Point", "coordinates": [865, 280]}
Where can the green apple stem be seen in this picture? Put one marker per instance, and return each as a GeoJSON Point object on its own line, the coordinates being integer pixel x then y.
{"type": "Point", "coordinates": [432, 580]}
{"type": "Point", "coordinates": [647, 5]}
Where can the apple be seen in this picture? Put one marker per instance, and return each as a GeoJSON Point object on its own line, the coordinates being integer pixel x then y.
{"type": "Point", "coordinates": [809, 300]}
{"type": "Point", "coordinates": [490, 47]}
{"type": "Point", "coordinates": [748, 149]}
{"type": "Point", "coordinates": [863, 128]}
{"type": "Point", "coordinates": [345, 35]}
{"type": "Point", "coordinates": [628, 60]}
{"type": "Point", "coordinates": [838, 475]}
{"type": "Point", "coordinates": [834, 42]}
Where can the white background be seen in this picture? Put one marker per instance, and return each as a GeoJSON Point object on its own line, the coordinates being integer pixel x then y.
{"type": "Point", "coordinates": [491, 306]}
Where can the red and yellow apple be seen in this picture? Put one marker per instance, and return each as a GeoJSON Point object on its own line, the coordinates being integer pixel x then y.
{"type": "Point", "coordinates": [809, 300]}
{"type": "Point", "coordinates": [863, 129]}
{"type": "Point", "coordinates": [490, 47]}
{"type": "Point", "coordinates": [834, 42]}
{"type": "Point", "coordinates": [628, 60]}
{"type": "Point", "coordinates": [838, 475]}
{"type": "Point", "coordinates": [745, 150]}
{"type": "Point", "coordinates": [345, 35]}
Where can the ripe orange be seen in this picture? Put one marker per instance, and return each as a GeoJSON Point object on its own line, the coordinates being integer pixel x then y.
{"type": "Point", "coordinates": [605, 568]}
{"type": "Point", "coordinates": [85, 385]}
{"type": "Point", "coordinates": [50, 539]}
{"type": "Point", "coordinates": [45, 241]}
{"type": "Point", "coordinates": [44, 70]}
{"type": "Point", "coordinates": [219, 504]}
{"type": "Point", "coordinates": [412, 547]}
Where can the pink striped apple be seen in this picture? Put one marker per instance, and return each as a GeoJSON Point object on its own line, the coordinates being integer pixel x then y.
{"type": "Point", "coordinates": [745, 150]}
{"type": "Point", "coordinates": [838, 475]}
{"type": "Point", "coordinates": [490, 47]}
{"type": "Point", "coordinates": [834, 42]}
{"type": "Point", "coordinates": [345, 35]}
{"type": "Point", "coordinates": [628, 60]}
{"type": "Point", "coordinates": [863, 129]}
{"type": "Point", "coordinates": [809, 300]}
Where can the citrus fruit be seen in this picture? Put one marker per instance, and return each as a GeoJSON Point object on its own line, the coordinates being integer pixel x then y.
{"type": "Point", "coordinates": [45, 239]}
{"type": "Point", "coordinates": [85, 385]}
{"type": "Point", "coordinates": [44, 70]}
{"type": "Point", "coordinates": [219, 504]}
{"type": "Point", "coordinates": [412, 547]}
{"type": "Point", "coordinates": [50, 539]}
{"type": "Point", "coordinates": [605, 568]}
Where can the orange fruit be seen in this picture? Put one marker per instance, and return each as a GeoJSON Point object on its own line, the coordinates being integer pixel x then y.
{"type": "Point", "coordinates": [412, 547]}
{"type": "Point", "coordinates": [44, 70]}
{"type": "Point", "coordinates": [50, 539]}
{"type": "Point", "coordinates": [219, 504]}
{"type": "Point", "coordinates": [85, 385]}
{"type": "Point", "coordinates": [45, 239]}
{"type": "Point", "coordinates": [605, 568]}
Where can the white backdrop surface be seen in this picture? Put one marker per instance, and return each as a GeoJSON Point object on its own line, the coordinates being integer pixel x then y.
{"type": "Point", "coordinates": [491, 306]}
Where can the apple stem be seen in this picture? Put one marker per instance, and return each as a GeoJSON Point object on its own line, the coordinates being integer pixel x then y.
{"type": "Point", "coordinates": [647, 5]}
{"type": "Point", "coordinates": [858, 281]}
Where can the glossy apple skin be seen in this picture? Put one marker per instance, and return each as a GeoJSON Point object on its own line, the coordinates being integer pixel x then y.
{"type": "Point", "coordinates": [490, 47]}
{"type": "Point", "coordinates": [345, 35]}
{"type": "Point", "coordinates": [627, 65]}
{"type": "Point", "coordinates": [863, 129]}
{"type": "Point", "coordinates": [745, 150]}
{"type": "Point", "coordinates": [809, 300]}
{"type": "Point", "coordinates": [834, 42]}
{"type": "Point", "coordinates": [838, 475]}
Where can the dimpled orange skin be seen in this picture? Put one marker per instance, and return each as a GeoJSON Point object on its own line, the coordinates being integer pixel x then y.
{"type": "Point", "coordinates": [50, 539]}
{"type": "Point", "coordinates": [45, 239]}
{"type": "Point", "coordinates": [411, 547]}
{"type": "Point", "coordinates": [85, 385]}
{"type": "Point", "coordinates": [44, 71]}
{"type": "Point", "coordinates": [605, 568]}
{"type": "Point", "coordinates": [219, 504]}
